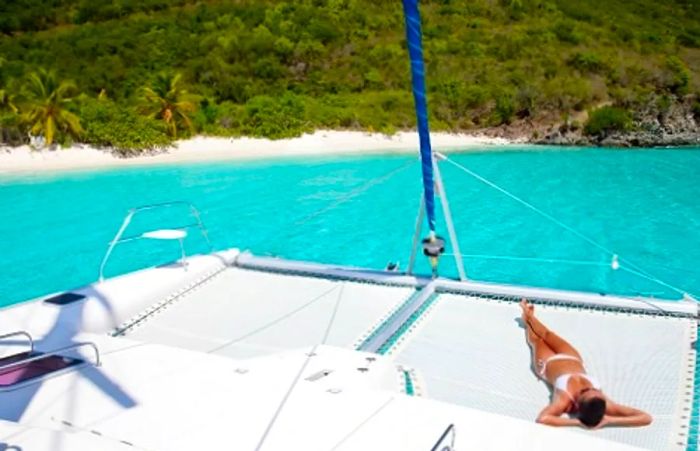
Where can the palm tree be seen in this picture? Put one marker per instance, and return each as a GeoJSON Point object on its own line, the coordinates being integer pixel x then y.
{"type": "Point", "coordinates": [168, 101]}
{"type": "Point", "coordinates": [44, 101]}
{"type": "Point", "coordinates": [8, 122]}
{"type": "Point", "coordinates": [7, 101]}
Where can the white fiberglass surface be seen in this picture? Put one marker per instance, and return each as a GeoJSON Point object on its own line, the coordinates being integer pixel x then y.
{"type": "Point", "coordinates": [472, 351]}
{"type": "Point", "coordinates": [152, 397]}
{"type": "Point", "coordinates": [243, 313]}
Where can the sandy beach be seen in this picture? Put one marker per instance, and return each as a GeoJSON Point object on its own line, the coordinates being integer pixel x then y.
{"type": "Point", "coordinates": [201, 149]}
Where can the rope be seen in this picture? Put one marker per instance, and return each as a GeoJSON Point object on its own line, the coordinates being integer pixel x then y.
{"type": "Point", "coordinates": [359, 426]}
{"type": "Point", "coordinates": [533, 259]}
{"type": "Point", "coordinates": [272, 323]}
{"type": "Point", "coordinates": [566, 227]}
{"type": "Point", "coordinates": [286, 397]}
{"type": "Point", "coordinates": [335, 311]}
{"type": "Point", "coordinates": [354, 193]}
{"type": "Point", "coordinates": [293, 231]}
{"type": "Point", "coordinates": [570, 262]}
{"type": "Point", "coordinates": [301, 371]}
{"type": "Point", "coordinates": [340, 289]}
{"type": "Point", "coordinates": [654, 279]}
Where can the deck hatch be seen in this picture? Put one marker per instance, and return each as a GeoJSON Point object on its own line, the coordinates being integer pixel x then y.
{"type": "Point", "coordinates": [64, 298]}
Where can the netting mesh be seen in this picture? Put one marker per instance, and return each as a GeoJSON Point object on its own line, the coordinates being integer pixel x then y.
{"type": "Point", "coordinates": [470, 350]}
{"type": "Point", "coordinates": [467, 348]}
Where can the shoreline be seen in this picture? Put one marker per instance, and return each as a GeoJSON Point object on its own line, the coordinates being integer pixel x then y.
{"type": "Point", "coordinates": [201, 149]}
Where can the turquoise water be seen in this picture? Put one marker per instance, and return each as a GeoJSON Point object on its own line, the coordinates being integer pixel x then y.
{"type": "Point", "coordinates": [643, 204]}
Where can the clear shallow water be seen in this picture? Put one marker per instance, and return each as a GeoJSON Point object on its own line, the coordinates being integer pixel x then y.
{"type": "Point", "coordinates": [642, 204]}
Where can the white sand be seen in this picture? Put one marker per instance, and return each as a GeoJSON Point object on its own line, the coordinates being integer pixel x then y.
{"type": "Point", "coordinates": [199, 149]}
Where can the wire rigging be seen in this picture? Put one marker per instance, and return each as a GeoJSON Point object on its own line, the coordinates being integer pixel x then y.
{"type": "Point", "coordinates": [533, 259]}
{"type": "Point", "coordinates": [635, 268]}
{"type": "Point", "coordinates": [296, 230]}
{"type": "Point", "coordinates": [354, 193]}
{"type": "Point", "coordinates": [298, 375]}
{"type": "Point", "coordinates": [272, 323]}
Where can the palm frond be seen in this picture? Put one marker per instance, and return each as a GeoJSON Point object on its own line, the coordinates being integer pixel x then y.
{"type": "Point", "coordinates": [44, 103]}
{"type": "Point", "coordinates": [165, 99]}
{"type": "Point", "coordinates": [71, 123]}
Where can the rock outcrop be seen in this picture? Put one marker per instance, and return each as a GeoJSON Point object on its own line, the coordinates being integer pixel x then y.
{"type": "Point", "coordinates": [677, 124]}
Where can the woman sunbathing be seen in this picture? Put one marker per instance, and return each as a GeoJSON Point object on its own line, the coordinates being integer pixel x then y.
{"type": "Point", "coordinates": [574, 392]}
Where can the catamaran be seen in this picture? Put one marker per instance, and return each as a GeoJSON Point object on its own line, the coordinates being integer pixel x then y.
{"type": "Point", "coordinates": [229, 350]}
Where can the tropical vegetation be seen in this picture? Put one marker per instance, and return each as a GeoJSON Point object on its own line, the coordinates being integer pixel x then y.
{"type": "Point", "coordinates": [608, 119]}
{"type": "Point", "coordinates": [168, 101]}
{"type": "Point", "coordinates": [44, 103]}
{"type": "Point", "coordinates": [139, 73]}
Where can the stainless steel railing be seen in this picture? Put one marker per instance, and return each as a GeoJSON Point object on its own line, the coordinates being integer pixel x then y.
{"type": "Point", "coordinates": [55, 352]}
{"type": "Point", "coordinates": [129, 216]}
{"type": "Point", "coordinates": [18, 334]}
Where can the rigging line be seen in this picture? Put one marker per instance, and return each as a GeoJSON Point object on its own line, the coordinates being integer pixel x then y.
{"type": "Point", "coordinates": [527, 204]}
{"type": "Point", "coordinates": [534, 259]}
{"type": "Point", "coordinates": [348, 196]}
{"type": "Point", "coordinates": [272, 323]}
{"type": "Point", "coordinates": [660, 282]}
{"type": "Point", "coordinates": [365, 421]}
{"type": "Point", "coordinates": [576, 262]}
{"type": "Point", "coordinates": [359, 190]}
{"type": "Point", "coordinates": [286, 397]}
{"type": "Point", "coordinates": [335, 311]}
{"type": "Point", "coordinates": [651, 304]}
{"type": "Point", "coordinates": [301, 371]}
{"type": "Point", "coordinates": [555, 221]}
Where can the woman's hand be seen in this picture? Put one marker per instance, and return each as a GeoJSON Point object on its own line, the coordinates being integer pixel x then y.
{"type": "Point", "coordinates": [621, 415]}
{"type": "Point", "coordinates": [552, 414]}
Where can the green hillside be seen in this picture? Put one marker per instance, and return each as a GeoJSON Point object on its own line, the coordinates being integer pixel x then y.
{"type": "Point", "coordinates": [278, 68]}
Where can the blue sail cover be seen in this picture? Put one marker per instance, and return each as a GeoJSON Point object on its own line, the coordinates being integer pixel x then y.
{"type": "Point", "coordinates": [415, 51]}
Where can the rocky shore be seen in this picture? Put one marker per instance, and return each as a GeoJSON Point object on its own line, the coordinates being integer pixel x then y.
{"type": "Point", "coordinates": [675, 125]}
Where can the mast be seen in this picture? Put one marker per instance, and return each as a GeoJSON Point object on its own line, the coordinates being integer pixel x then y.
{"type": "Point", "coordinates": [433, 245]}
{"type": "Point", "coordinates": [415, 52]}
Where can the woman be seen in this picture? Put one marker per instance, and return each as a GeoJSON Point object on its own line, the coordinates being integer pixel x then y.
{"type": "Point", "coordinates": [574, 392]}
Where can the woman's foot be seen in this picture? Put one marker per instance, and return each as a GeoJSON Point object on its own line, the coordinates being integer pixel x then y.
{"type": "Point", "coordinates": [528, 309]}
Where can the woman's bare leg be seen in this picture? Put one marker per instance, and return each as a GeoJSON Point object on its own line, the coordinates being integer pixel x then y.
{"type": "Point", "coordinates": [553, 341]}
{"type": "Point", "coordinates": [540, 350]}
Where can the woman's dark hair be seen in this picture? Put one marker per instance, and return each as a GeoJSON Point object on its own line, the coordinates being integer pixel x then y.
{"type": "Point", "coordinates": [591, 411]}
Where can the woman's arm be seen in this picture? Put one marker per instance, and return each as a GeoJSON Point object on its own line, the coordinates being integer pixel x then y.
{"type": "Point", "coordinates": [552, 414]}
{"type": "Point", "coordinates": [620, 415]}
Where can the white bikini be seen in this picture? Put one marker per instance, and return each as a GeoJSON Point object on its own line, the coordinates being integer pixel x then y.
{"type": "Point", "coordinates": [561, 383]}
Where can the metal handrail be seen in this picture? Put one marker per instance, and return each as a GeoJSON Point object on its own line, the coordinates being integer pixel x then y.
{"type": "Point", "coordinates": [22, 333]}
{"type": "Point", "coordinates": [451, 446]}
{"type": "Point", "coordinates": [127, 220]}
{"type": "Point", "coordinates": [53, 353]}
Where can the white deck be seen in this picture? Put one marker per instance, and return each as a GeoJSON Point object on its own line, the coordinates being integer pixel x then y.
{"type": "Point", "coordinates": [242, 313]}
{"type": "Point", "coordinates": [469, 353]}
{"type": "Point", "coordinates": [472, 352]}
{"type": "Point", "coordinates": [14, 437]}
{"type": "Point", "coordinates": [153, 397]}
{"type": "Point", "coordinates": [112, 302]}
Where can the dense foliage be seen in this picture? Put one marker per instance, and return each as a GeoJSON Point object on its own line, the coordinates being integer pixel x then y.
{"type": "Point", "coordinates": [606, 120]}
{"type": "Point", "coordinates": [278, 68]}
{"type": "Point", "coordinates": [122, 128]}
